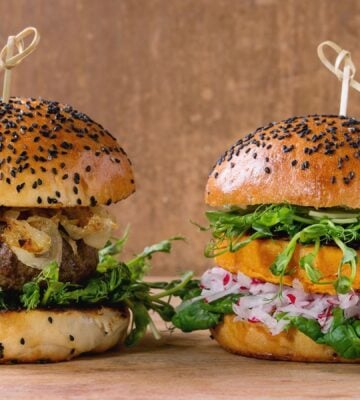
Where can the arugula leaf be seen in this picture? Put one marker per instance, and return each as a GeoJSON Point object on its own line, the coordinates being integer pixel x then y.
{"type": "Point", "coordinates": [200, 315]}
{"type": "Point", "coordinates": [106, 255]}
{"type": "Point", "coordinates": [140, 264]}
{"type": "Point", "coordinates": [196, 316]}
{"type": "Point", "coordinates": [309, 327]}
{"type": "Point", "coordinates": [343, 336]}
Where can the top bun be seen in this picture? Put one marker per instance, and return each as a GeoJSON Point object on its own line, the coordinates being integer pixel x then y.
{"type": "Point", "coordinates": [307, 161]}
{"type": "Point", "coordinates": [52, 155]}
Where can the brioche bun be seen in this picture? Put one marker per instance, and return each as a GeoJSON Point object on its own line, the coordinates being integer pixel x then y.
{"type": "Point", "coordinates": [307, 161]}
{"type": "Point", "coordinates": [254, 340]}
{"type": "Point", "coordinates": [52, 155]}
{"type": "Point", "coordinates": [58, 335]}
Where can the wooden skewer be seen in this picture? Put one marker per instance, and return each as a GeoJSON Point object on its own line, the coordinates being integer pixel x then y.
{"type": "Point", "coordinates": [346, 76]}
{"type": "Point", "coordinates": [9, 60]}
{"type": "Point", "coordinates": [8, 71]}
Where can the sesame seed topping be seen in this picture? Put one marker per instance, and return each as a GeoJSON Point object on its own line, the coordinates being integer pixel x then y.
{"type": "Point", "coordinates": [76, 178]}
{"type": "Point", "coordinates": [267, 170]}
{"type": "Point", "coordinates": [305, 165]}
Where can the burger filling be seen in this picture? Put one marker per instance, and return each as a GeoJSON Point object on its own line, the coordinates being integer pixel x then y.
{"type": "Point", "coordinates": [329, 316]}
{"type": "Point", "coordinates": [51, 258]}
{"type": "Point", "coordinates": [233, 230]}
{"type": "Point", "coordinates": [30, 239]}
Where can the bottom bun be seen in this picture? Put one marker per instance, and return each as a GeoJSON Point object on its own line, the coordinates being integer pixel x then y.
{"type": "Point", "coordinates": [254, 340]}
{"type": "Point", "coordinates": [59, 334]}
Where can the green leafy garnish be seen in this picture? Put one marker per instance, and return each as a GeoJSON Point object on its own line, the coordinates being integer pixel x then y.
{"type": "Point", "coordinates": [299, 224]}
{"type": "Point", "coordinates": [200, 315]}
{"type": "Point", "coordinates": [115, 283]}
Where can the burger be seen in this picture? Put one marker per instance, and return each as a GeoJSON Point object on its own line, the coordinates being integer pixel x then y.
{"type": "Point", "coordinates": [63, 290]}
{"type": "Point", "coordinates": [286, 241]}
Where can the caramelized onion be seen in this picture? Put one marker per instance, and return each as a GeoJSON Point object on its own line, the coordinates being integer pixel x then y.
{"type": "Point", "coordinates": [95, 233]}
{"type": "Point", "coordinates": [35, 241]}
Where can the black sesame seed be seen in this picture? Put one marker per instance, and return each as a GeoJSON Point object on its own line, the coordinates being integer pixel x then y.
{"type": "Point", "coordinates": [267, 170]}
{"type": "Point", "coordinates": [305, 165]}
{"type": "Point", "coordinates": [39, 200]}
{"type": "Point", "coordinates": [65, 176]}
{"type": "Point", "coordinates": [294, 162]}
{"type": "Point", "coordinates": [88, 168]}
{"type": "Point", "coordinates": [50, 320]}
{"type": "Point", "coordinates": [76, 178]}
{"type": "Point", "coordinates": [22, 341]}
{"type": "Point", "coordinates": [71, 338]}
{"type": "Point", "coordinates": [66, 145]}
{"type": "Point", "coordinates": [287, 149]}
{"type": "Point", "coordinates": [79, 202]}
{"type": "Point", "coordinates": [333, 179]}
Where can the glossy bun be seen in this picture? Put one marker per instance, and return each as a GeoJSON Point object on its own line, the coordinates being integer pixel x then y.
{"type": "Point", "coordinates": [52, 155]}
{"type": "Point", "coordinates": [254, 340]}
{"type": "Point", "coordinates": [59, 335]}
{"type": "Point", "coordinates": [307, 161]}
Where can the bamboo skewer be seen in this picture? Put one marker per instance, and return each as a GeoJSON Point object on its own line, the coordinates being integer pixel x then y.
{"type": "Point", "coordinates": [346, 75]}
{"type": "Point", "coordinates": [9, 60]}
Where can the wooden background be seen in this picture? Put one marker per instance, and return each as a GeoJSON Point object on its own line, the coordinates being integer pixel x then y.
{"type": "Point", "coordinates": [178, 81]}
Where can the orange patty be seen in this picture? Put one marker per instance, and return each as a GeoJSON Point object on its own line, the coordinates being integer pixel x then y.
{"type": "Point", "coordinates": [255, 259]}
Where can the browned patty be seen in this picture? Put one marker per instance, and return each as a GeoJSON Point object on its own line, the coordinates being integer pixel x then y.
{"type": "Point", "coordinates": [74, 268]}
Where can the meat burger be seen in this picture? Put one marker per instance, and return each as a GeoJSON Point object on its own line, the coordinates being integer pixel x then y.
{"type": "Point", "coordinates": [62, 290]}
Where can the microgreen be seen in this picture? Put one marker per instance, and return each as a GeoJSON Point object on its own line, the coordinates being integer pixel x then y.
{"type": "Point", "coordinates": [235, 229]}
{"type": "Point", "coordinates": [115, 284]}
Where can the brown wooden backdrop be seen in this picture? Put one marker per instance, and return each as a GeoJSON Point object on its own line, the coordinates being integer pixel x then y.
{"type": "Point", "coordinates": [178, 81]}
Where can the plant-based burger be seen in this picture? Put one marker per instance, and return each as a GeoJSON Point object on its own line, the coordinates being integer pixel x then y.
{"type": "Point", "coordinates": [286, 235]}
{"type": "Point", "coordinates": [63, 290]}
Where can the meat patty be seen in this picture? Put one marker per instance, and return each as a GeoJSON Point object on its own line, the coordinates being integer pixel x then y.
{"type": "Point", "coordinates": [74, 268]}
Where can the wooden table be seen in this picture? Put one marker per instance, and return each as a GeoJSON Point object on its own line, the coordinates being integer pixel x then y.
{"type": "Point", "coordinates": [179, 366]}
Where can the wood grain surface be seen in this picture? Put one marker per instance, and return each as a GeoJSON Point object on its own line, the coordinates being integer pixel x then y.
{"type": "Point", "coordinates": [179, 366]}
{"type": "Point", "coordinates": [178, 81]}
